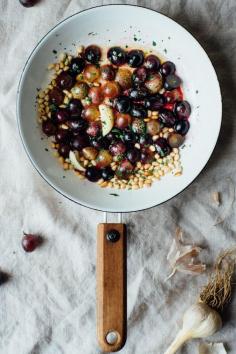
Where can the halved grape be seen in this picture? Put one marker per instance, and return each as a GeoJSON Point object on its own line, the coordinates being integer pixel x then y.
{"type": "Point", "coordinates": [108, 72]}
{"type": "Point", "coordinates": [80, 90]}
{"type": "Point", "coordinates": [90, 153]}
{"type": "Point", "coordinates": [154, 82]}
{"type": "Point", "coordinates": [104, 159]}
{"type": "Point", "coordinates": [153, 127]}
{"type": "Point", "coordinates": [124, 78]}
{"type": "Point", "coordinates": [91, 73]}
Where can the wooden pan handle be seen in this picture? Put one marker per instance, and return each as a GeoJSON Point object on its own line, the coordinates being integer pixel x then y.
{"type": "Point", "coordinates": [111, 286]}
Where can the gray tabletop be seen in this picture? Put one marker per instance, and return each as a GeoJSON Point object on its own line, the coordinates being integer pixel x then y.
{"type": "Point", "coordinates": [48, 305]}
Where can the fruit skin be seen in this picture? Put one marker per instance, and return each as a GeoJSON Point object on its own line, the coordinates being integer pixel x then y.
{"type": "Point", "coordinates": [62, 135]}
{"type": "Point", "coordinates": [80, 90]}
{"type": "Point", "coordinates": [56, 96]}
{"type": "Point", "coordinates": [152, 62]}
{"type": "Point", "coordinates": [124, 169]}
{"type": "Point", "coordinates": [92, 54]}
{"type": "Point", "coordinates": [182, 127]}
{"type": "Point", "coordinates": [75, 108]}
{"type": "Point", "coordinates": [133, 155]}
{"type": "Point", "coordinates": [167, 118]}
{"type": "Point", "coordinates": [117, 148]}
{"type": "Point", "coordinates": [175, 140]}
{"type": "Point", "coordinates": [91, 73]}
{"type": "Point", "coordinates": [146, 155]}
{"type": "Point", "coordinates": [79, 142]}
{"type": "Point", "coordinates": [111, 89]}
{"type": "Point", "coordinates": [107, 173]}
{"type": "Point", "coordinates": [92, 174]}
{"type": "Point", "coordinates": [182, 109]}
{"type": "Point", "coordinates": [28, 3]}
{"type": "Point", "coordinates": [139, 76]}
{"type": "Point", "coordinates": [154, 83]}
{"type": "Point", "coordinates": [153, 127]}
{"type": "Point", "coordinates": [172, 82]}
{"type": "Point", "coordinates": [122, 120]}
{"type": "Point", "coordinates": [122, 104]}
{"type": "Point", "coordinates": [30, 242]}
{"type": "Point", "coordinates": [138, 111]}
{"type": "Point", "coordinates": [108, 73]}
{"type": "Point", "coordinates": [155, 102]}
{"type": "Point", "coordinates": [48, 128]}
{"type": "Point", "coordinates": [64, 150]}
{"type": "Point", "coordinates": [167, 68]}
{"type": "Point", "coordinates": [104, 159]}
{"type": "Point", "coordinates": [174, 95]}
{"type": "Point", "coordinates": [91, 113]}
{"type": "Point", "coordinates": [162, 147]}
{"type": "Point", "coordinates": [117, 56]}
{"type": "Point", "coordinates": [124, 78]}
{"type": "Point", "coordinates": [138, 93]}
{"type": "Point", "coordinates": [77, 65]}
{"type": "Point", "coordinates": [62, 115]}
{"type": "Point", "coordinates": [135, 58]}
{"type": "Point", "coordinates": [96, 95]}
{"type": "Point", "coordinates": [65, 81]}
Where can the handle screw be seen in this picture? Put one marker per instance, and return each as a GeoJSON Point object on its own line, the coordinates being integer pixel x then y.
{"type": "Point", "coordinates": [113, 236]}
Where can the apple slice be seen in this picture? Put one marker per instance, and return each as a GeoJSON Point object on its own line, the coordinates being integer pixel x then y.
{"type": "Point", "coordinates": [107, 118]}
{"type": "Point", "coordinates": [74, 159]}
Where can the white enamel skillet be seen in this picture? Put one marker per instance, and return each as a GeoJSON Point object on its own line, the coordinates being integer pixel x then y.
{"type": "Point", "coordinates": [132, 26]}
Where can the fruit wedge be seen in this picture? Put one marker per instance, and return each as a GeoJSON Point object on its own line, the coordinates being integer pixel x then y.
{"type": "Point", "coordinates": [107, 118]}
{"type": "Point", "coordinates": [74, 159]}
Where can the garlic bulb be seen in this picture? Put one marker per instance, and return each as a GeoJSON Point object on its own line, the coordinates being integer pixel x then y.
{"type": "Point", "coordinates": [199, 321]}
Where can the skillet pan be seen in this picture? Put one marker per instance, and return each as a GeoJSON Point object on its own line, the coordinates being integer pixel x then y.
{"type": "Point", "coordinates": [122, 25]}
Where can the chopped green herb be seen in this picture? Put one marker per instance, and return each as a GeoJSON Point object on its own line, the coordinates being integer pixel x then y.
{"type": "Point", "coordinates": [154, 43]}
{"type": "Point", "coordinates": [165, 50]}
{"type": "Point", "coordinates": [126, 46]}
{"type": "Point", "coordinates": [54, 51]}
{"type": "Point", "coordinates": [53, 107]}
{"type": "Point", "coordinates": [46, 149]}
{"type": "Point", "coordinates": [197, 91]}
{"type": "Point", "coordinates": [114, 194]}
{"type": "Point", "coordinates": [135, 39]}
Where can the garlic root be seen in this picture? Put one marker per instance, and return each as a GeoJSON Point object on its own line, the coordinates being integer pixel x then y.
{"type": "Point", "coordinates": [199, 321]}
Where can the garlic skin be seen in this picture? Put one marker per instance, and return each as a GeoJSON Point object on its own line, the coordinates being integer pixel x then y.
{"type": "Point", "coordinates": [199, 321]}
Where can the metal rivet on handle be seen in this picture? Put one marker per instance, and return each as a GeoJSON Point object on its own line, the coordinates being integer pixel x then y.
{"type": "Point", "coordinates": [113, 235]}
{"type": "Point", "coordinates": [112, 337]}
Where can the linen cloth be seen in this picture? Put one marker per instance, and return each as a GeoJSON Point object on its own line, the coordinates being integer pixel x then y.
{"type": "Point", "coordinates": [48, 305]}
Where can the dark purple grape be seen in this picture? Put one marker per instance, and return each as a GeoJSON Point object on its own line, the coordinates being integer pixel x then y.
{"type": "Point", "coordinates": [135, 58]}
{"type": "Point", "coordinates": [64, 150]}
{"type": "Point", "coordinates": [162, 147]}
{"type": "Point", "coordinates": [182, 109]}
{"type": "Point", "coordinates": [117, 56]}
{"type": "Point", "coordinates": [167, 68]}
{"type": "Point", "coordinates": [138, 111]}
{"type": "Point", "coordinates": [80, 141]}
{"type": "Point", "coordinates": [139, 76]}
{"type": "Point", "coordinates": [117, 148]}
{"type": "Point", "coordinates": [122, 104]}
{"type": "Point", "coordinates": [28, 3]}
{"type": "Point", "coordinates": [100, 142]}
{"type": "Point", "coordinates": [145, 140]}
{"type": "Point", "coordinates": [167, 118]}
{"type": "Point", "coordinates": [107, 173]}
{"type": "Point", "coordinates": [146, 156]}
{"type": "Point", "coordinates": [154, 103]}
{"type": "Point", "coordinates": [56, 96]}
{"type": "Point", "coordinates": [62, 135]}
{"type": "Point", "coordinates": [77, 65]}
{"type": "Point", "coordinates": [129, 137]}
{"type": "Point", "coordinates": [108, 72]}
{"type": "Point", "coordinates": [92, 174]}
{"type": "Point", "coordinates": [182, 127]}
{"type": "Point", "coordinates": [172, 82]}
{"type": "Point", "coordinates": [62, 115]}
{"type": "Point", "coordinates": [48, 128]}
{"type": "Point", "coordinates": [77, 125]}
{"type": "Point", "coordinates": [133, 155]}
{"type": "Point", "coordinates": [152, 62]}
{"type": "Point", "coordinates": [92, 54]}
{"type": "Point", "coordinates": [65, 81]}
{"type": "Point", "coordinates": [138, 93]}
{"type": "Point", "coordinates": [75, 107]}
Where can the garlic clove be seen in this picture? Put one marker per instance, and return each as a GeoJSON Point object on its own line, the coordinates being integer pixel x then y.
{"type": "Point", "coordinates": [212, 348]}
{"type": "Point", "coordinates": [74, 159]}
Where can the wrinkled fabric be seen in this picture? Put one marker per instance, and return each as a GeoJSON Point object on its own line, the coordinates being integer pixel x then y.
{"type": "Point", "coordinates": [48, 305]}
